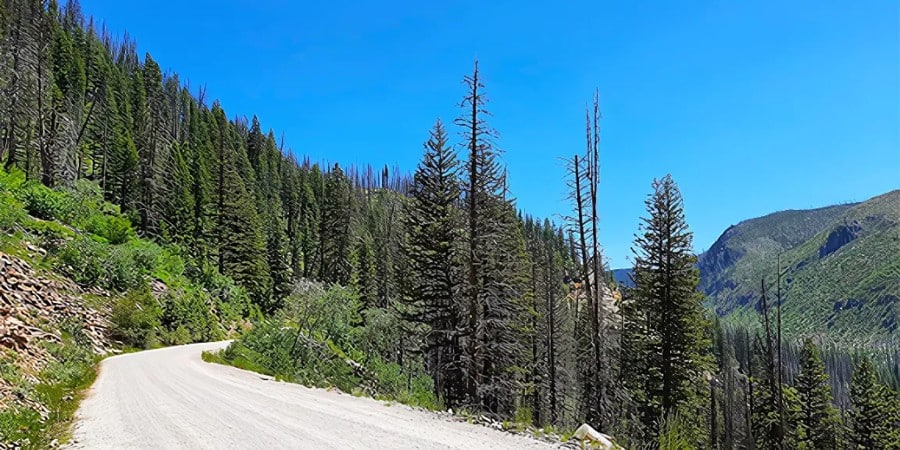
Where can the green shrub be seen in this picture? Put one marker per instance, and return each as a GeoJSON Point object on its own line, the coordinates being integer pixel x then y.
{"type": "Point", "coordinates": [330, 314]}
{"type": "Point", "coordinates": [50, 231]}
{"type": "Point", "coordinates": [179, 336]}
{"type": "Point", "coordinates": [232, 301]}
{"type": "Point", "coordinates": [122, 270]}
{"type": "Point", "coordinates": [20, 426]}
{"type": "Point", "coordinates": [136, 318]}
{"type": "Point", "coordinates": [43, 202]}
{"type": "Point", "coordinates": [411, 386]}
{"type": "Point", "coordinates": [69, 370]}
{"type": "Point", "coordinates": [676, 432]}
{"type": "Point", "coordinates": [83, 260]}
{"type": "Point", "coordinates": [188, 315]}
{"type": "Point", "coordinates": [85, 200]}
{"type": "Point", "coordinates": [11, 181]}
{"type": "Point", "coordinates": [120, 267]}
{"type": "Point", "coordinates": [169, 263]}
{"type": "Point", "coordinates": [116, 230]}
{"type": "Point", "coordinates": [312, 339]}
{"type": "Point", "coordinates": [145, 255]}
{"type": "Point", "coordinates": [12, 212]}
{"type": "Point", "coordinates": [238, 356]}
{"type": "Point", "coordinates": [271, 345]}
{"type": "Point", "coordinates": [379, 337]}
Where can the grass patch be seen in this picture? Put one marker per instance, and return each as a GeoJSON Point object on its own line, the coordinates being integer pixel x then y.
{"type": "Point", "coordinates": [239, 361]}
{"type": "Point", "coordinates": [60, 388]}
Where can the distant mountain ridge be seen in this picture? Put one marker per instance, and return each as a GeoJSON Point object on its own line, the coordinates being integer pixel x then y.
{"type": "Point", "coordinates": [841, 270]}
{"type": "Point", "coordinates": [623, 277]}
{"type": "Point", "coordinates": [753, 244]}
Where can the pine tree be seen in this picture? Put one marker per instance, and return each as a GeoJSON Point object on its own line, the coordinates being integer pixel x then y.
{"type": "Point", "coordinates": [278, 260]}
{"type": "Point", "coordinates": [239, 232]}
{"type": "Point", "coordinates": [335, 228]}
{"type": "Point", "coordinates": [490, 251]}
{"type": "Point", "coordinates": [311, 218]}
{"type": "Point", "coordinates": [769, 418]}
{"type": "Point", "coordinates": [819, 417]}
{"type": "Point", "coordinates": [870, 415]}
{"type": "Point", "coordinates": [666, 281]}
{"type": "Point", "coordinates": [290, 198]}
{"type": "Point", "coordinates": [364, 273]}
{"type": "Point", "coordinates": [432, 223]}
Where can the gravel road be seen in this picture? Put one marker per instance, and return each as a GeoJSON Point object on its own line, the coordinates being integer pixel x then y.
{"type": "Point", "coordinates": [170, 398]}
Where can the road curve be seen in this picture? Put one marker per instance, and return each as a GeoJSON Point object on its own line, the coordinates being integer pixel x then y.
{"type": "Point", "coordinates": [170, 398]}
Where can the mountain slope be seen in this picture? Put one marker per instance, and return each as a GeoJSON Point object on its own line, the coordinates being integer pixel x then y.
{"type": "Point", "coordinates": [623, 277]}
{"type": "Point", "coordinates": [841, 264]}
{"type": "Point", "coordinates": [743, 250]}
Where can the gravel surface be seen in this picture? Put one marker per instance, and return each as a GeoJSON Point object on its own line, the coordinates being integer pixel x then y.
{"type": "Point", "coordinates": [170, 398]}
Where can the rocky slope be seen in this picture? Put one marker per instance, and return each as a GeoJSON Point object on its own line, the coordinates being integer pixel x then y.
{"type": "Point", "coordinates": [35, 310]}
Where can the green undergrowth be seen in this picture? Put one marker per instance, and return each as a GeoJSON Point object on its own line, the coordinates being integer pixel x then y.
{"type": "Point", "coordinates": [157, 294]}
{"type": "Point", "coordinates": [89, 241]}
{"type": "Point", "coordinates": [58, 387]}
{"type": "Point", "coordinates": [319, 339]}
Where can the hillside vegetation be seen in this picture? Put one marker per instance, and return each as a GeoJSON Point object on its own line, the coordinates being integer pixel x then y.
{"type": "Point", "coordinates": [841, 270]}
{"type": "Point", "coordinates": [433, 289]}
{"type": "Point", "coordinates": [78, 283]}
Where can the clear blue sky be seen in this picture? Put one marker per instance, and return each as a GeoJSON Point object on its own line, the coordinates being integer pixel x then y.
{"type": "Point", "coordinates": [753, 107]}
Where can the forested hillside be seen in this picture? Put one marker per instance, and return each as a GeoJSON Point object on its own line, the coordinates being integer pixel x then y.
{"type": "Point", "coordinates": [433, 289]}
{"type": "Point", "coordinates": [840, 270]}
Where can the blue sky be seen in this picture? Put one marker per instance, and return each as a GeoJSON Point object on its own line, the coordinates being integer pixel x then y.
{"type": "Point", "coordinates": [753, 107]}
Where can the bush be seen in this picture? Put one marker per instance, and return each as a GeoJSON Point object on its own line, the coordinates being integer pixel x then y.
{"type": "Point", "coordinates": [232, 301]}
{"type": "Point", "coordinates": [19, 425]}
{"type": "Point", "coordinates": [318, 339]}
{"type": "Point", "coordinates": [324, 314]}
{"type": "Point", "coordinates": [122, 270]}
{"type": "Point", "coordinates": [11, 181]}
{"type": "Point", "coordinates": [270, 347]}
{"type": "Point", "coordinates": [676, 432]}
{"type": "Point", "coordinates": [412, 387]}
{"type": "Point", "coordinates": [50, 231]}
{"type": "Point", "coordinates": [136, 318]}
{"type": "Point", "coordinates": [189, 315]}
{"type": "Point", "coordinates": [12, 212]}
{"type": "Point", "coordinates": [116, 230]}
{"type": "Point", "coordinates": [83, 259]}
{"type": "Point", "coordinates": [42, 202]}
{"type": "Point", "coordinates": [69, 370]}
{"type": "Point", "coordinates": [180, 336]}
{"type": "Point", "coordinates": [84, 203]}
{"type": "Point", "coordinates": [121, 267]}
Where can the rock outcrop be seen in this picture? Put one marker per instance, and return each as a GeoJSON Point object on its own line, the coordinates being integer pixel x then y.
{"type": "Point", "coordinates": [33, 310]}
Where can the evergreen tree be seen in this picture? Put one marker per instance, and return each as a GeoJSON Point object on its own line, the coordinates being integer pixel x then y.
{"type": "Point", "coordinates": [432, 223]}
{"type": "Point", "coordinates": [279, 263]}
{"type": "Point", "coordinates": [364, 273]}
{"type": "Point", "coordinates": [819, 417]}
{"type": "Point", "coordinates": [239, 232]}
{"type": "Point", "coordinates": [666, 281]}
{"type": "Point", "coordinates": [335, 228]}
{"type": "Point", "coordinates": [871, 413]}
{"type": "Point", "coordinates": [311, 218]}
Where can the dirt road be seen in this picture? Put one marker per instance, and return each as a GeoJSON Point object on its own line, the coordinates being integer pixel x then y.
{"type": "Point", "coordinates": [170, 398]}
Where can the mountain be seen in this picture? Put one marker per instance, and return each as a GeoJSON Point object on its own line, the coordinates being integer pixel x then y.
{"type": "Point", "coordinates": [623, 277]}
{"type": "Point", "coordinates": [841, 269]}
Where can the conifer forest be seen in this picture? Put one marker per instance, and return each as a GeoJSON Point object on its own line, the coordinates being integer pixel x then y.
{"type": "Point", "coordinates": [435, 285]}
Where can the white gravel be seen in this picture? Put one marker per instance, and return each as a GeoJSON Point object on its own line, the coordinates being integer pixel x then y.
{"type": "Point", "coordinates": [170, 398]}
